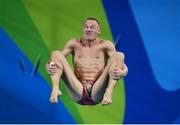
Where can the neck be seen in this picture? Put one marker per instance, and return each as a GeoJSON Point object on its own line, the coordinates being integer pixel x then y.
{"type": "Point", "coordinates": [87, 42]}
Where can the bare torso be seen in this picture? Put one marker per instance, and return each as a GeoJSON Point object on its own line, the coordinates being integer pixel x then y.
{"type": "Point", "coordinates": [90, 56]}
{"type": "Point", "coordinates": [89, 61]}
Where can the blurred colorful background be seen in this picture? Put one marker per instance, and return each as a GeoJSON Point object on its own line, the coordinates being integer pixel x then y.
{"type": "Point", "coordinates": [149, 35]}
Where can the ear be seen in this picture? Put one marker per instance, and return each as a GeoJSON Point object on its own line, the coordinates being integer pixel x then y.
{"type": "Point", "coordinates": [99, 31]}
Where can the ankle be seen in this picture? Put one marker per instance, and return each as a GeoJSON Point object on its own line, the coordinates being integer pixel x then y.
{"type": "Point", "coordinates": [109, 90]}
{"type": "Point", "coordinates": [55, 88]}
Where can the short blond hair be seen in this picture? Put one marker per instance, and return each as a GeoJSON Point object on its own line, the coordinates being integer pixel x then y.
{"type": "Point", "coordinates": [91, 18]}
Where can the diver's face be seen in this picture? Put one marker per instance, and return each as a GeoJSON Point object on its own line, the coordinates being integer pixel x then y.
{"type": "Point", "coordinates": [91, 30]}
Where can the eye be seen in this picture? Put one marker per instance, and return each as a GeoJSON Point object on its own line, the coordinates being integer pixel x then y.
{"type": "Point", "coordinates": [85, 26]}
{"type": "Point", "coordinates": [92, 27]}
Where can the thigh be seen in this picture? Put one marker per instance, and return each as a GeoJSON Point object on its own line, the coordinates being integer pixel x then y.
{"type": "Point", "coordinates": [72, 84]}
{"type": "Point", "coordinates": [101, 84]}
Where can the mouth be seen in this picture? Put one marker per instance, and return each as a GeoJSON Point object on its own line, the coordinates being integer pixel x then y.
{"type": "Point", "coordinates": [88, 33]}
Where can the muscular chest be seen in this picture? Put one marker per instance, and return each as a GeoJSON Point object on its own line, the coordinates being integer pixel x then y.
{"type": "Point", "coordinates": [94, 52]}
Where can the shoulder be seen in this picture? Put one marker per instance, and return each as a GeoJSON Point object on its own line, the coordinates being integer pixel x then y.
{"type": "Point", "coordinates": [72, 42]}
{"type": "Point", "coordinates": [107, 44]}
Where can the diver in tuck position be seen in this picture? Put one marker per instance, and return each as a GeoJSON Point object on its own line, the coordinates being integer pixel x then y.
{"type": "Point", "coordinates": [97, 67]}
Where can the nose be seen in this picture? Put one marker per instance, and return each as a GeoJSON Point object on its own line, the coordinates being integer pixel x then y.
{"type": "Point", "coordinates": [88, 29]}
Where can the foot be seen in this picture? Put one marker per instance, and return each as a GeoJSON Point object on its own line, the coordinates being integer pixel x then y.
{"type": "Point", "coordinates": [54, 95]}
{"type": "Point", "coordinates": [107, 99]}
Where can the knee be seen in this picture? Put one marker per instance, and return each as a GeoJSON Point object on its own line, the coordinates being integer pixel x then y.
{"type": "Point", "coordinates": [56, 57]}
{"type": "Point", "coordinates": [119, 55]}
{"type": "Point", "coordinates": [55, 54]}
{"type": "Point", "coordinates": [117, 59]}
{"type": "Point", "coordinates": [117, 62]}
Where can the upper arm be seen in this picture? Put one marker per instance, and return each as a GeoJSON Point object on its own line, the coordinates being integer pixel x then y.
{"type": "Point", "coordinates": [110, 50]}
{"type": "Point", "coordinates": [109, 47]}
{"type": "Point", "coordinates": [68, 47]}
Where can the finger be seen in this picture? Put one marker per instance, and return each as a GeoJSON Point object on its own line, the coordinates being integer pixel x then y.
{"type": "Point", "coordinates": [123, 72]}
{"type": "Point", "coordinates": [117, 72]}
{"type": "Point", "coordinates": [53, 70]}
{"type": "Point", "coordinates": [116, 77]}
{"type": "Point", "coordinates": [116, 68]}
{"type": "Point", "coordinates": [51, 73]}
{"type": "Point", "coordinates": [119, 69]}
{"type": "Point", "coordinates": [52, 66]}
